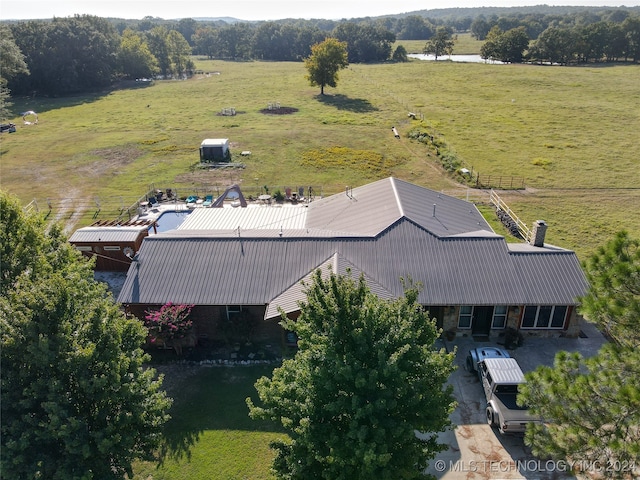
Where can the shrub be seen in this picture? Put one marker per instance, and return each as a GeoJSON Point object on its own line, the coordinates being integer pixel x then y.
{"type": "Point", "coordinates": [168, 324]}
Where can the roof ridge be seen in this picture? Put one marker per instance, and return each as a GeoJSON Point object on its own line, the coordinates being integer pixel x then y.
{"type": "Point", "coordinates": [397, 195]}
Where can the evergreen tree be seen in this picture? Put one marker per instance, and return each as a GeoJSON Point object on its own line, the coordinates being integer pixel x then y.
{"type": "Point", "coordinates": [591, 406]}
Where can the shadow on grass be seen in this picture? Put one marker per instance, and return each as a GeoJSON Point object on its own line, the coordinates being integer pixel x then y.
{"type": "Point", "coordinates": [210, 398]}
{"type": "Point", "coordinates": [342, 102]}
{"type": "Point", "coordinates": [42, 104]}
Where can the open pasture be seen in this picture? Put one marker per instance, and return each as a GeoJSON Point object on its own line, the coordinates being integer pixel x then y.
{"type": "Point", "coordinates": [570, 132]}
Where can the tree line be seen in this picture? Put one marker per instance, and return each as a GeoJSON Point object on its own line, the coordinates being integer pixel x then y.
{"type": "Point", "coordinates": [84, 53]}
{"type": "Point", "coordinates": [565, 44]}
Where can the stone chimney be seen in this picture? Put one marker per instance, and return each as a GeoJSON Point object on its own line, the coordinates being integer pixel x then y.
{"type": "Point", "coordinates": [538, 232]}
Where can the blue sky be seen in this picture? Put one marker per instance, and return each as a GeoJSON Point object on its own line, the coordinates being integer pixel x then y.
{"type": "Point", "coordinates": [253, 9]}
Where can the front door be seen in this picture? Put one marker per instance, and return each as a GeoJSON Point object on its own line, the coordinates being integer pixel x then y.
{"type": "Point", "coordinates": [481, 321]}
{"type": "Point", "coordinates": [438, 314]}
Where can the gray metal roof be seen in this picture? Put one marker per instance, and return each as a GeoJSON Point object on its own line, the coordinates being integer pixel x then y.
{"type": "Point", "coordinates": [289, 300]}
{"type": "Point", "coordinates": [255, 271]}
{"type": "Point", "coordinates": [386, 230]}
{"type": "Point", "coordinates": [370, 209]}
{"type": "Point", "coordinates": [107, 234]}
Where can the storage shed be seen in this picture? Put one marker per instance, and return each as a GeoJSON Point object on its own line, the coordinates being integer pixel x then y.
{"type": "Point", "coordinates": [215, 150]}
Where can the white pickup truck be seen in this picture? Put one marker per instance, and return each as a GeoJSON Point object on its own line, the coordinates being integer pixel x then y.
{"type": "Point", "coordinates": [500, 379]}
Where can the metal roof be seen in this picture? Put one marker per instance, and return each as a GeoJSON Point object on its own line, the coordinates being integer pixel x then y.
{"type": "Point", "coordinates": [107, 234]}
{"type": "Point", "coordinates": [254, 271]}
{"type": "Point", "coordinates": [250, 218]}
{"type": "Point", "coordinates": [386, 230]}
{"type": "Point", "coordinates": [370, 209]}
{"type": "Point", "coordinates": [289, 300]}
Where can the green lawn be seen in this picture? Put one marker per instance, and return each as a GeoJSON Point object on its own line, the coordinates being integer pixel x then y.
{"type": "Point", "coordinates": [210, 435]}
{"type": "Point", "coordinates": [569, 133]}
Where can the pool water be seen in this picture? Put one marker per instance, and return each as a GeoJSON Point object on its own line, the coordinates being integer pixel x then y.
{"type": "Point", "coordinates": [169, 221]}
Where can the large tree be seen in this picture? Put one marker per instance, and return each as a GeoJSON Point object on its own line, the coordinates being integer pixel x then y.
{"type": "Point", "coordinates": [134, 57]}
{"type": "Point", "coordinates": [11, 64]}
{"type": "Point", "coordinates": [441, 44]}
{"type": "Point", "coordinates": [508, 47]}
{"type": "Point", "coordinates": [365, 379]}
{"type": "Point", "coordinates": [66, 55]}
{"type": "Point", "coordinates": [591, 406]}
{"type": "Point", "coordinates": [326, 59]}
{"type": "Point", "coordinates": [77, 402]}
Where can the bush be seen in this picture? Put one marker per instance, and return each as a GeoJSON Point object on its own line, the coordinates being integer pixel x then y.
{"type": "Point", "coordinates": [168, 324]}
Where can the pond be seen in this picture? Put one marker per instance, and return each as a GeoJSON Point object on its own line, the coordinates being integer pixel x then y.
{"type": "Point", "coordinates": [453, 58]}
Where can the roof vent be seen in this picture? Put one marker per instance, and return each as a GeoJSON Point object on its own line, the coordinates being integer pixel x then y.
{"type": "Point", "coordinates": [538, 233]}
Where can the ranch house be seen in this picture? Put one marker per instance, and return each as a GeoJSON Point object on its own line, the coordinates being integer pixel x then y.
{"type": "Point", "coordinates": [243, 265]}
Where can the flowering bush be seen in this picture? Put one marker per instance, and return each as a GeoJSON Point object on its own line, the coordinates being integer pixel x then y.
{"type": "Point", "coordinates": [169, 323]}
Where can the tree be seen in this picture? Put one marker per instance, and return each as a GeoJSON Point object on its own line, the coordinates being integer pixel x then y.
{"type": "Point", "coordinates": [66, 55]}
{"type": "Point", "coordinates": [415, 27]}
{"type": "Point", "coordinates": [11, 64]}
{"type": "Point", "coordinates": [365, 43]}
{"type": "Point", "coordinates": [631, 27]}
{"type": "Point", "coordinates": [506, 46]}
{"type": "Point", "coordinates": [591, 406]}
{"type": "Point", "coordinates": [365, 378]}
{"type": "Point", "coordinates": [179, 52]}
{"type": "Point", "coordinates": [591, 409]}
{"type": "Point", "coordinates": [169, 325]}
{"type": "Point", "coordinates": [480, 28]}
{"type": "Point", "coordinates": [157, 41]}
{"type": "Point", "coordinates": [613, 299]}
{"type": "Point", "coordinates": [400, 54]}
{"type": "Point", "coordinates": [77, 402]}
{"type": "Point", "coordinates": [326, 59]}
{"type": "Point", "coordinates": [134, 57]}
{"type": "Point", "coordinates": [441, 44]}
{"type": "Point", "coordinates": [554, 45]}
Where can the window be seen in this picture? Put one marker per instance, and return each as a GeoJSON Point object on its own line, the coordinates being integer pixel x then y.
{"type": "Point", "coordinates": [84, 248]}
{"type": "Point", "coordinates": [111, 248]}
{"type": "Point", "coordinates": [559, 316]}
{"type": "Point", "coordinates": [233, 310]}
{"type": "Point", "coordinates": [499, 316]}
{"type": "Point", "coordinates": [544, 316]}
{"type": "Point", "coordinates": [464, 318]}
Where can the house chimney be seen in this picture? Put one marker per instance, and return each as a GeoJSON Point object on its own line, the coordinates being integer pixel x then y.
{"type": "Point", "coordinates": [537, 233]}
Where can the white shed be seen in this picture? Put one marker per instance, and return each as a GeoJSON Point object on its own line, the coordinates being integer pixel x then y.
{"type": "Point", "coordinates": [215, 150]}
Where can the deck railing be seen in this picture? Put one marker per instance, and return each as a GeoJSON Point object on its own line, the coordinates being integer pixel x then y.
{"type": "Point", "coordinates": [515, 224]}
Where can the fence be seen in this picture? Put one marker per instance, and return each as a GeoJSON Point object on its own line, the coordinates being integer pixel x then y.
{"type": "Point", "coordinates": [500, 182]}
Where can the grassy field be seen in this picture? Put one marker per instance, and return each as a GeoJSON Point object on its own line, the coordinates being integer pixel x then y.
{"type": "Point", "coordinates": [568, 133]}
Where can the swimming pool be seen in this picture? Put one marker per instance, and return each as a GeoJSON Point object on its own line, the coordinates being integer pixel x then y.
{"type": "Point", "coordinates": [169, 220]}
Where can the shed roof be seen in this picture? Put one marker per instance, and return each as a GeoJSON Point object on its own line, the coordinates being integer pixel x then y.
{"type": "Point", "coordinates": [262, 217]}
{"type": "Point", "coordinates": [214, 142]}
{"type": "Point", "coordinates": [108, 234]}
